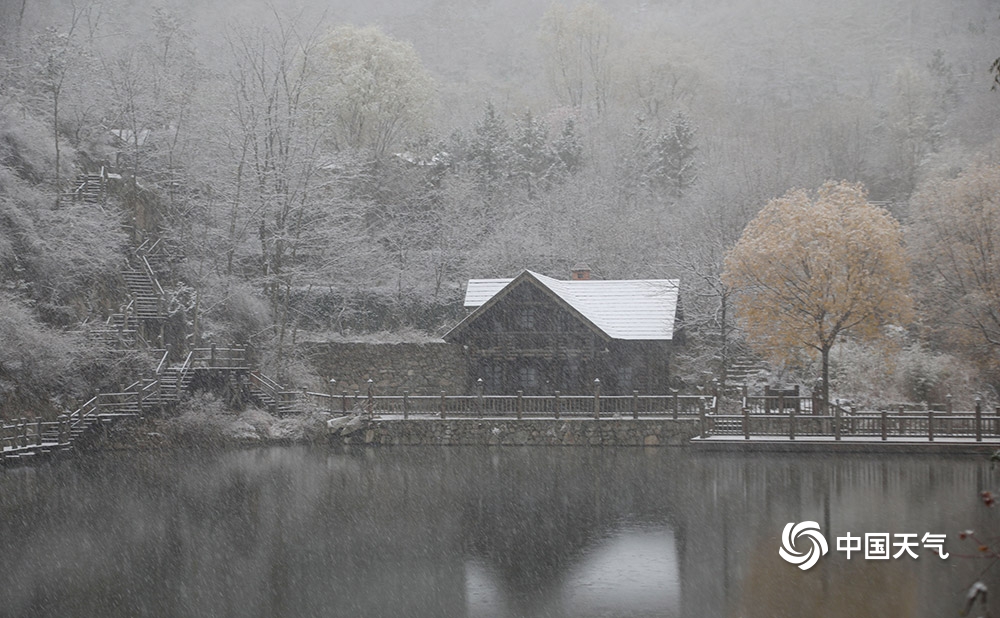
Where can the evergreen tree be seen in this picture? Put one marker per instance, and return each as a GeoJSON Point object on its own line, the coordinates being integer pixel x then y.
{"type": "Point", "coordinates": [533, 162]}
{"type": "Point", "coordinates": [568, 149]}
{"type": "Point", "coordinates": [490, 151]}
{"type": "Point", "coordinates": [674, 151]}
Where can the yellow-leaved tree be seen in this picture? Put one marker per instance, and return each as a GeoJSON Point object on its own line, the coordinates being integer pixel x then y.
{"type": "Point", "coordinates": [811, 268]}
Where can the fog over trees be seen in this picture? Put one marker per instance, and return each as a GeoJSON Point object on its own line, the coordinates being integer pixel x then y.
{"type": "Point", "coordinates": [346, 166]}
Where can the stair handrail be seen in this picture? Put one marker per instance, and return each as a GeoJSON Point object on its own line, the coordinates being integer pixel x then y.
{"type": "Point", "coordinates": [266, 384]}
{"type": "Point", "coordinates": [142, 249]}
{"type": "Point", "coordinates": [152, 275]}
{"type": "Point", "coordinates": [77, 416]}
{"type": "Point", "coordinates": [148, 389]}
{"type": "Point", "coordinates": [182, 373]}
{"type": "Point", "coordinates": [163, 362]}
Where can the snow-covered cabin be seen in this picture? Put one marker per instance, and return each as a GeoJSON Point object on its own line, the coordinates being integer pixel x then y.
{"type": "Point", "coordinates": [539, 334]}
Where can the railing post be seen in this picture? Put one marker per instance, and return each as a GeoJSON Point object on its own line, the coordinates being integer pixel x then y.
{"type": "Point", "coordinates": [371, 399]}
{"type": "Point", "coordinates": [836, 421]}
{"type": "Point", "coordinates": [781, 401]}
{"type": "Point", "coordinates": [791, 420]}
{"type": "Point", "coordinates": [885, 424]}
{"type": "Point", "coordinates": [745, 392]}
{"type": "Point", "coordinates": [979, 419]}
{"type": "Point", "coordinates": [676, 402]}
{"type": "Point", "coordinates": [406, 405]}
{"type": "Point", "coordinates": [996, 422]}
{"type": "Point", "coordinates": [947, 404]}
{"type": "Point", "coordinates": [635, 405]}
{"type": "Point", "coordinates": [930, 424]}
{"type": "Point", "coordinates": [38, 431]}
{"type": "Point", "coordinates": [444, 404]}
{"type": "Point", "coordinates": [556, 404]}
{"type": "Point", "coordinates": [702, 420]}
{"type": "Point", "coordinates": [343, 401]}
{"type": "Point", "coordinates": [332, 384]}
{"type": "Point", "coordinates": [520, 405]}
{"type": "Point", "coordinates": [479, 397]}
{"type": "Point", "coordinates": [715, 395]}
{"type": "Point", "coordinates": [597, 398]}
{"type": "Point", "coordinates": [746, 423]}
{"type": "Point", "coordinates": [24, 432]}
{"type": "Point", "coordinates": [63, 429]}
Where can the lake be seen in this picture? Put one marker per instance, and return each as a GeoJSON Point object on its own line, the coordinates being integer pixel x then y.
{"type": "Point", "coordinates": [482, 532]}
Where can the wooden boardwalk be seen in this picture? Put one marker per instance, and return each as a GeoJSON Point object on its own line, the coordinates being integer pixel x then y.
{"type": "Point", "coordinates": [806, 421]}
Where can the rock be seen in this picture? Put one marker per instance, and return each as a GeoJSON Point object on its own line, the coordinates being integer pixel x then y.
{"type": "Point", "coordinates": [243, 431]}
{"type": "Point", "coordinates": [353, 425]}
{"type": "Point", "coordinates": [335, 425]}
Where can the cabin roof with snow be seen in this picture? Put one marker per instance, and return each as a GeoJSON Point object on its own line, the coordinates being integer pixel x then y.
{"type": "Point", "coordinates": [632, 310]}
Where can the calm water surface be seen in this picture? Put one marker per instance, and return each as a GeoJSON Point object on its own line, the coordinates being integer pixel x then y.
{"type": "Point", "coordinates": [504, 532]}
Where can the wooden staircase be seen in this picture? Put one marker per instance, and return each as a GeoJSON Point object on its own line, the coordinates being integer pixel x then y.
{"type": "Point", "coordinates": [147, 295]}
{"type": "Point", "coordinates": [26, 440]}
{"type": "Point", "coordinates": [139, 321]}
{"type": "Point", "coordinates": [119, 331]}
{"type": "Point", "coordinates": [88, 188]}
{"type": "Point", "coordinates": [271, 395]}
{"type": "Point", "coordinates": [744, 370]}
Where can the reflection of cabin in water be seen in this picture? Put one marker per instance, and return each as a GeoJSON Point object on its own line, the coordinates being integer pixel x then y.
{"type": "Point", "coordinates": [538, 334]}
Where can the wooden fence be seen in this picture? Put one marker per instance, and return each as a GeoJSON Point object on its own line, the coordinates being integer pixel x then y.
{"type": "Point", "coordinates": [518, 405]}
{"type": "Point", "coordinates": [802, 419]}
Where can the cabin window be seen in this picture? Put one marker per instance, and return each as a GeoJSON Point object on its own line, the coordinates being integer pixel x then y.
{"type": "Point", "coordinates": [526, 318]}
{"type": "Point", "coordinates": [624, 378]}
{"type": "Point", "coordinates": [529, 377]}
{"type": "Point", "coordinates": [492, 374]}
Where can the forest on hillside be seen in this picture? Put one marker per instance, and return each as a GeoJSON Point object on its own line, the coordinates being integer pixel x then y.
{"type": "Point", "coordinates": [341, 169]}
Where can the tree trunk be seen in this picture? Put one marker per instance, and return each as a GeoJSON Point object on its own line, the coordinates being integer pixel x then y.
{"type": "Point", "coordinates": [55, 133]}
{"type": "Point", "coordinates": [724, 350]}
{"type": "Point", "coordinates": [825, 351]}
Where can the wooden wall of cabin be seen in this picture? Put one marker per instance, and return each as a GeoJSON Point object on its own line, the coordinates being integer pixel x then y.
{"type": "Point", "coordinates": [530, 342]}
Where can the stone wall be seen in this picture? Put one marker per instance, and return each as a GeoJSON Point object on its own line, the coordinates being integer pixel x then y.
{"type": "Point", "coordinates": [421, 368]}
{"type": "Point", "coordinates": [528, 432]}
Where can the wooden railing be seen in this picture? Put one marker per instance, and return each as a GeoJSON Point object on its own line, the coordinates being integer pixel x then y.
{"type": "Point", "coordinates": [518, 405]}
{"type": "Point", "coordinates": [219, 358]}
{"type": "Point", "coordinates": [164, 361]}
{"type": "Point", "coordinates": [778, 403]}
{"type": "Point", "coordinates": [20, 435]}
{"type": "Point", "coordinates": [279, 399]}
{"type": "Point", "coordinates": [841, 422]}
{"type": "Point", "coordinates": [152, 276]}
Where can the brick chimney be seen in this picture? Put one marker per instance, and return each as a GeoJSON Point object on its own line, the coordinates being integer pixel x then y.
{"type": "Point", "coordinates": [580, 272]}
